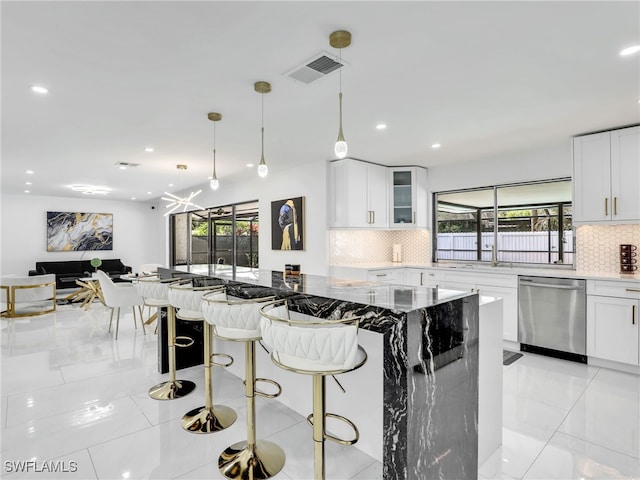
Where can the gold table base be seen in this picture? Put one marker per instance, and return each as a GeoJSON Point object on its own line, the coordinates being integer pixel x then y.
{"type": "Point", "coordinates": [89, 291]}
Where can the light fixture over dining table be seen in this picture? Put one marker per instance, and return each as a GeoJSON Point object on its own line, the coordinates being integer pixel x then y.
{"type": "Point", "coordinates": [176, 202]}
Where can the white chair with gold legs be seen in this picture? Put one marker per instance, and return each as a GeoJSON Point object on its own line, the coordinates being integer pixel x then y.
{"type": "Point", "coordinates": [317, 347]}
{"type": "Point", "coordinates": [238, 320]}
{"type": "Point", "coordinates": [117, 296]}
{"type": "Point", "coordinates": [25, 296]}
{"type": "Point", "coordinates": [209, 418]}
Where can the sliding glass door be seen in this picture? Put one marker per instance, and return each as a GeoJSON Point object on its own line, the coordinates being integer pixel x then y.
{"type": "Point", "coordinates": [222, 238]}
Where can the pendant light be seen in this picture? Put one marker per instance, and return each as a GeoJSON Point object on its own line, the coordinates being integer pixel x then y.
{"type": "Point", "coordinates": [214, 117]}
{"type": "Point", "coordinates": [340, 39]}
{"type": "Point", "coordinates": [262, 88]}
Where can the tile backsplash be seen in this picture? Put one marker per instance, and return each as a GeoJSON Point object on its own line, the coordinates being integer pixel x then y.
{"type": "Point", "coordinates": [598, 246]}
{"type": "Point", "coordinates": [371, 246]}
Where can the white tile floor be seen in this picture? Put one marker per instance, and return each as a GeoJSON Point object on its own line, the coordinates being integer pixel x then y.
{"type": "Point", "coordinates": [74, 398]}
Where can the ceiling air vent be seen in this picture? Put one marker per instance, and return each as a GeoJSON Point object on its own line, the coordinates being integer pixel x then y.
{"type": "Point", "coordinates": [315, 68]}
{"type": "Point", "coordinates": [126, 164]}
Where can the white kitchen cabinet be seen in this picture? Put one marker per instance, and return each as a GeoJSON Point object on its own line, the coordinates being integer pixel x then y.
{"type": "Point", "coordinates": [606, 169]}
{"type": "Point", "coordinates": [408, 197]}
{"type": "Point", "coordinates": [612, 321]}
{"type": "Point", "coordinates": [358, 194]}
{"type": "Point", "coordinates": [498, 285]}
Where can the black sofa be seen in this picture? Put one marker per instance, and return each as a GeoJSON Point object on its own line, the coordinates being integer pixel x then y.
{"type": "Point", "coordinates": [67, 272]}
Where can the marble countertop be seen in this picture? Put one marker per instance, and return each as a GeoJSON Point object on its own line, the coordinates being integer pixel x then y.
{"type": "Point", "coordinates": [557, 272]}
{"type": "Point", "coordinates": [382, 295]}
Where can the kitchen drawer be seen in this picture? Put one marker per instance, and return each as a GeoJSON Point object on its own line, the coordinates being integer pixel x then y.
{"type": "Point", "coordinates": [479, 278]}
{"type": "Point", "coordinates": [421, 277]}
{"type": "Point", "coordinates": [389, 275]}
{"type": "Point", "coordinates": [612, 288]}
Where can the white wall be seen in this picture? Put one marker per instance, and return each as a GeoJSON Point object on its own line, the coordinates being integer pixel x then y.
{"type": "Point", "coordinates": [309, 180]}
{"type": "Point", "coordinates": [138, 235]}
{"type": "Point", "coordinates": [543, 164]}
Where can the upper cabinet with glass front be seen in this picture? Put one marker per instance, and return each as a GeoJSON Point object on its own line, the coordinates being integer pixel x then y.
{"type": "Point", "coordinates": [606, 177]}
{"type": "Point", "coordinates": [408, 201]}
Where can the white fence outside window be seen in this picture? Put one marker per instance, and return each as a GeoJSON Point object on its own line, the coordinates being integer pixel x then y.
{"type": "Point", "coordinates": [523, 247]}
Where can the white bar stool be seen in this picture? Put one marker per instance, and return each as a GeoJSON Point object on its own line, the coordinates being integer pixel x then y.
{"type": "Point", "coordinates": [209, 418]}
{"type": "Point", "coordinates": [155, 293]}
{"type": "Point", "coordinates": [318, 347]}
{"type": "Point", "coordinates": [238, 320]}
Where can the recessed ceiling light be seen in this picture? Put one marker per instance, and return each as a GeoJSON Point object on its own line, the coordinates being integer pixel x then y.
{"type": "Point", "coordinates": [122, 167]}
{"type": "Point", "coordinates": [29, 172]}
{"type": "Point", "coordinates": [148, 193]}
{"type": "Point", "coordinates": [90, 189]}
{"type": "Point", "coordinates": [27, 183]}
{"type": "Point", "coordinates": [171, 184]}
{"type": "Point", "coordinates": [436, 145]}
{"type": "Point", "coordinates": [148, 149]}
{"type": "Point", "coordinates": [133, 198]}
{"type": "Point", "coordinates": [27, 191]}
{"type": "Point", "coordinates": [249, 165]}
{"type": "Point", "coordinates": [39, 89]}
{"type": "Point", "coordinates": [381, 126]}
{"type": "Point", "coordinates": [630, 50]}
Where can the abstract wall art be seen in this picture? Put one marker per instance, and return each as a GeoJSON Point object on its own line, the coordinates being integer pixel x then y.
{"type": "Point", "coordinates": [74, 231]}
{"type": "Point", "coordinates": [287, 224]}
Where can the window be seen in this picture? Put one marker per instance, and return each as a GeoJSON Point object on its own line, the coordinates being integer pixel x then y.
{"type": "Point", "coordinates": [527, 223]}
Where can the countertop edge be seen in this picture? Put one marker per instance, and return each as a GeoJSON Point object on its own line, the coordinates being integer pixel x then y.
{"type": "Point", "coordinates": [505, 270]}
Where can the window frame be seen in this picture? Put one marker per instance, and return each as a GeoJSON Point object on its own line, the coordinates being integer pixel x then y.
{"type": "Point", "coordinates": [562, 252]}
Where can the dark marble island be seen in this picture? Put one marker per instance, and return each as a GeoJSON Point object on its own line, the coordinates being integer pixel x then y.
{"type": "Point", "coordinates": [423, 366]}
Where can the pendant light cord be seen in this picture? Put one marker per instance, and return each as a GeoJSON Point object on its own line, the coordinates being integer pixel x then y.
{"type": "Point", "coordinates": [214, 150]}
{"type": "Point", "coordinates": [340, 70]}
{"type": "Point", "coordinates": [262, 127]}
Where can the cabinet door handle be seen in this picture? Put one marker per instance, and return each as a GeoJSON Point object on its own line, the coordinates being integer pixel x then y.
{"type": "Point", "coordinates": [381, 274]}
{"type": "Point", "coordinates": [606, 207]}
{"type": "Point", "coordinates": [373, 216]}
{"type": "Point", "coordinates": [633, 314]}
{"type": "Point", "coordinates": [414, 217]}
{"type": "Point", "coordinates": [368, 216]}
{"type": "Point", "coordinates": [632, 289]}
{"type": "Point", "coordinates": [421, 278]}
{"type": "Point", "coordinates": [615, 205]}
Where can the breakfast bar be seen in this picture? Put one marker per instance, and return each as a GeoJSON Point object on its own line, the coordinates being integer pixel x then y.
{"type": "Point", "coordinates": [416, 400]}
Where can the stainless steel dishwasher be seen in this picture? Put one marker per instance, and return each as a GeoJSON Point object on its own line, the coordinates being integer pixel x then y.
{"type": "Point", "coordinates": [552, 317]}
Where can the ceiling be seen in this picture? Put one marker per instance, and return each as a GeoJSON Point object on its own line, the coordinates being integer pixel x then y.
{"type": "Point", "coordinates": [481, 78]}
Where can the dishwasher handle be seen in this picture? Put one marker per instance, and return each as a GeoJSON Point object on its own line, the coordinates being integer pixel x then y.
{"type": "Point", "coordinates": [546, 285]}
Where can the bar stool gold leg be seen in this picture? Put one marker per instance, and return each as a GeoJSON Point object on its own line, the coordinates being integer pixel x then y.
{"type": "Point", "coordinates": [251, 459]}
{"type": "Point", "coordinates": [319, 411]}
{"type": "Point", "coordinates": [210, 418]}
{"type": "Point", "coordinates": [173, 388]}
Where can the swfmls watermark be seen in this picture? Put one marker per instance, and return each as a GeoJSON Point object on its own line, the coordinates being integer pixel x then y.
{"type": "Point", "coordinates": [33, 466]}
